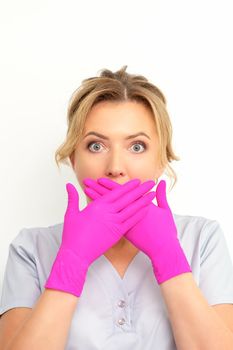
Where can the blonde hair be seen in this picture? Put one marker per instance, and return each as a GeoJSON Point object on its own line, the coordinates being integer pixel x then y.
{"type": "Point", "coordinates": [118, 86]}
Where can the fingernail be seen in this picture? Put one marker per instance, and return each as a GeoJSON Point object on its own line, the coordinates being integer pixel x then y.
{"type": "Point", "coordinates": [87, 181]}
{"type": "Point", "coordinates": [152, 194]}
{"type": "Point", "coordinates": [136, 181]}
{"type": "Point", "coordinates": [102, 179]}
{"type": "Point", "coordinates": [150, 182]}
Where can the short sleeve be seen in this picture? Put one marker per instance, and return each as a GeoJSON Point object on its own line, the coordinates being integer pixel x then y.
{"type": "Point", "coordinates": [216, 268]}
{"type": "Point", "coordinates": [20, 283]}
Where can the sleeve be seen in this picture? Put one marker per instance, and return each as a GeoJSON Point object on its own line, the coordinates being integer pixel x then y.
{"type": "Point", "coordinates": [20, 283]}
{"type": "Point", "coordinates": [216, 268]}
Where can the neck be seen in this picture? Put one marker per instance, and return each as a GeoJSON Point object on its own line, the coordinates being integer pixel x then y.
{"type": "Point", "coordinates": [123, 248]}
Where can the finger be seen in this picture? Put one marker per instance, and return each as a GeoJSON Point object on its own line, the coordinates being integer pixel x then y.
{"type": "Point", "coordinates": [133, 220]}
{"type": "Point", "coordinates": [102, 189]}
{"type": "Point", "coordinates": [136, 206]}
{"type": "Point", "coordinates": [161, 195]}
{"type": "Point", "coordinates": [129, 197]}
{"type": "Point", "coordinates": [91, 193]}
{"type": "Point", "coordinates": [118, 192]}
{"type": "Point", "coordinates": [108, 183]}
{"type": "Point", "coordinates": [73, 198]}
{"type": "Point", "coordinates": [95, 186]}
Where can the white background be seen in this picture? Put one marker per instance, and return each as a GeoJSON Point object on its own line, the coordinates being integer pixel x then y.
{"type": "Point", "coordinates": [49, 47]}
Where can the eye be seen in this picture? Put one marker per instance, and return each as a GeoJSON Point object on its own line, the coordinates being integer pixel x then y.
{"type": "Point", "coordinates": [92, 143]}
{"type": "Point", "coordinates": [141, 143]}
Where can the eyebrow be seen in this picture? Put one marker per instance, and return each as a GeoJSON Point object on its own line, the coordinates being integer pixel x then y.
{"type": "Point", "coordinates": [106, 138]}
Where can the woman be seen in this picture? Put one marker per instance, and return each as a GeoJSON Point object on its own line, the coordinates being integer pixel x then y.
{"type": "Point", "coordinates": [124, 272]}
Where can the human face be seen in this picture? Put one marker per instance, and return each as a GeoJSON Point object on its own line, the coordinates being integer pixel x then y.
{"type": "Point", "coordinates": [118, 158]}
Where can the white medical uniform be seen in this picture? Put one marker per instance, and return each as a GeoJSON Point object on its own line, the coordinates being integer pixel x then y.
{"type": "Point", "coordinates": [114, 313]}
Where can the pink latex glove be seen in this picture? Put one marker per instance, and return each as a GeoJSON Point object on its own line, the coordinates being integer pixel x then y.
{"type": "Point", "coordinates": [87, 234]}
{"type": "Point", "coordinates": [155, 234]}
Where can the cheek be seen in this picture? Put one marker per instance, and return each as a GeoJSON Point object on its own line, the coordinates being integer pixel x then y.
{"type": "Point", "coordinates": [85, 167]}
{"type": "Point", "coordinates": [142, 165]}
{"type": "Point", "coordinates": [145, 169]}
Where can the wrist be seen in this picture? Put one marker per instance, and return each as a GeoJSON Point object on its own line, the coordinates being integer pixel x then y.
{"type": "Point", "coordinates": [170, 262]}
{"type": "Point", "coordinates": [68, 272]}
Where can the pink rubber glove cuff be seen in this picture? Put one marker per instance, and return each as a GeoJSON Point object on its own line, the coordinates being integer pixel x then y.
{"type": "Point", "coordinates": [170, 262]}
{"type": "Point", "coordinates": [64, 276]}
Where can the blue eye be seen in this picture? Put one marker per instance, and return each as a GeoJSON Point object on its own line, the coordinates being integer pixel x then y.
{"type": "Point", "coordinates": [135, 143]}
{"type": "Point", "coordinates": [141, 144]}
{"type": "Point", "coordinates": [92, 143]}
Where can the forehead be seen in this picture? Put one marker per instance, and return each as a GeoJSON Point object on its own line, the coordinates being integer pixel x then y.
{"type": "Point", "coordinates": [130, 115]}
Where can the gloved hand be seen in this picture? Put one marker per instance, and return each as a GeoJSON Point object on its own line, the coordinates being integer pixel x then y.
{"type": "Point", "coordinates": [155, 234]}
{"type": "Point", "coordinates": [87, 234]}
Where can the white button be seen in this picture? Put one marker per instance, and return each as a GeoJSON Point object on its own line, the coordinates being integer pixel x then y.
{"type": "Point", "coordinates": [121, 303]}
{"type": "Point", "coordinates": [121, 321]}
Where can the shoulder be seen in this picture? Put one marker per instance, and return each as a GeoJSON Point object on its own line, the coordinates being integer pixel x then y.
{"type": "Point", "coordinates": [196, 226]}
{"type": "Point", "coordinates": [32, 238]}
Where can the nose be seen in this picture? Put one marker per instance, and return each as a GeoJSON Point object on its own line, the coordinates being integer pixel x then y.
{"type": "Point", "coordinates": [116, 168]}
